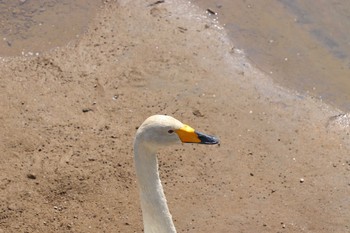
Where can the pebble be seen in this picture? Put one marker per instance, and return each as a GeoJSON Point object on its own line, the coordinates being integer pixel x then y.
{"type": "Point", "coordinates": [197, 113]}
{"type": "Point", "coordinates": [301, 180]}
{"type": "Point", "coordinates": [87, 110]}
{"type": "Point", "coordinates": [211, 12]}
{"type": "Point", "coordinates": [31, 176]}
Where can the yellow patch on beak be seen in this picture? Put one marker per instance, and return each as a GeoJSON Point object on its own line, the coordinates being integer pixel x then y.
{"type": "Point", "coordinates": [187, 134]}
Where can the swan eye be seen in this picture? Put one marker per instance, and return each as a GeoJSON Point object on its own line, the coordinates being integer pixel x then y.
{"type": "Point", "coordinates": [170, 131]}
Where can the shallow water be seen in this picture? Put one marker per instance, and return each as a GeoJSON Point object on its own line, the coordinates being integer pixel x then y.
{"type": "Point", "coordinates": [304, 45]}
{"type": "Point", "coordinates": [29, 27]}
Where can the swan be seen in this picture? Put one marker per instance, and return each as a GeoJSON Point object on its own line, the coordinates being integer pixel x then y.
{"type": "Point", "coordinates": [155, 132]}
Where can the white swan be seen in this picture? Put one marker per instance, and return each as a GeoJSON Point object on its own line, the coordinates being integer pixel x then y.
{"type": "Point", "coordinates": [155, 132]}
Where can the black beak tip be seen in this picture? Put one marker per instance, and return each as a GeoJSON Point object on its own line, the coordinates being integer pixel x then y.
{"type": "Point", "coordinates": [207, 139]}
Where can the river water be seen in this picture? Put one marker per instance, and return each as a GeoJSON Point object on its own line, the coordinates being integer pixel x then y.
{"type": "Point", "coordinates": [29, 27]}
{"type": "Point", "coordinates": [303, 45]}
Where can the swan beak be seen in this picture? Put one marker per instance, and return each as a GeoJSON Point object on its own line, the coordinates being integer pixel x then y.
{"type": "Point", "coordinates": [188, 135]}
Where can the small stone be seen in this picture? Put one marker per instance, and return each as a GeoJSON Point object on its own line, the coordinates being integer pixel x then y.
{"type": "Point", "coordinates": [211, 12]}
{"type": "Point", "coordinates": [31, 176]}
{"type": "Point", "coordinates": [87, 110]}
{"type": "Point", "coordinates": [12, 206]}
{"type": "Point", "coordinates": [301, 180]}
{"type": "Point", "coordinates": [197, 113]}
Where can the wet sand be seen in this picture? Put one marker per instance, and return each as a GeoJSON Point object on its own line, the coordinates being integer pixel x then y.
{"type": "Point", "coordinates": [68, 118]}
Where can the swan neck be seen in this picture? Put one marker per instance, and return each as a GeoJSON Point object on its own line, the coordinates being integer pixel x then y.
{"type": "Point", "coordinates": [155, 212]}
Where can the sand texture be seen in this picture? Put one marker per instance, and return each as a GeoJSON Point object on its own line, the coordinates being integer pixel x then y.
{"type": "Point", "coordinates": [68, 118]}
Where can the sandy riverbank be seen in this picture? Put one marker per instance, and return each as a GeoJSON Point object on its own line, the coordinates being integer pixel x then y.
{"type": "Point", "coordinates": [68, 118]}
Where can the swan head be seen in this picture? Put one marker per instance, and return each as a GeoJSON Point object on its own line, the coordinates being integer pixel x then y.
{"type": "Point", "coordinates": [161, 130]}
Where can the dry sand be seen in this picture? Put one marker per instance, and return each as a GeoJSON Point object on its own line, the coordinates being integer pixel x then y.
{"type": "Point", "coordinates": [68, 118]}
